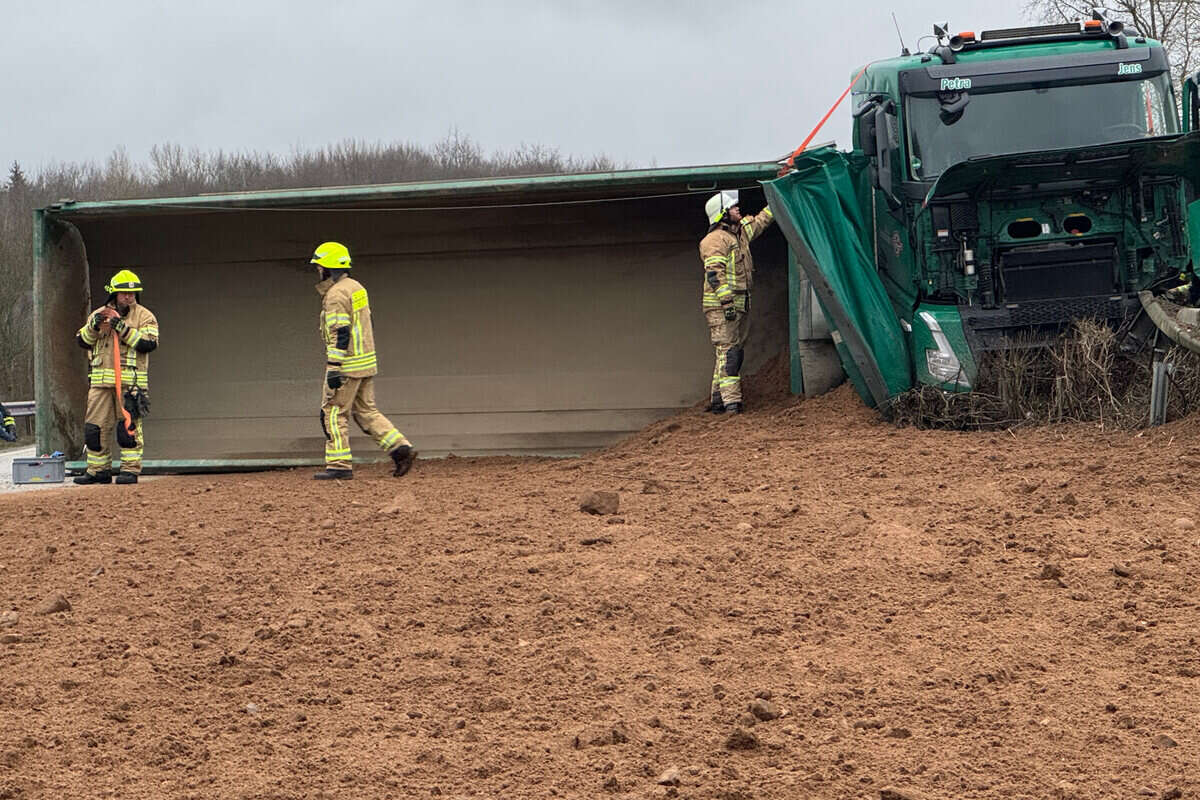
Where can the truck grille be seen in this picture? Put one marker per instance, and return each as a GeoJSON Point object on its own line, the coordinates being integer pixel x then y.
{"type": "Point", "coordinates": [1058, 270]}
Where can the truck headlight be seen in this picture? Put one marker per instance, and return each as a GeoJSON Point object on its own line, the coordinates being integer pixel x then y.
{"type": "Point", "coordinates": [942, 363]}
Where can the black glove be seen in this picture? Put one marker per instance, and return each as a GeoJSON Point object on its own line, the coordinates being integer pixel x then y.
{"type": "Point", "coordinates": [8, 434]}
{"type": "Point", "coordinates": [730, 312]}
{"type": "Point", "coordinates": [334, 379]}
{"type": "Point", "coordinates": [120, 325]}
{"type": "Point", "coordinates": [96, 321]}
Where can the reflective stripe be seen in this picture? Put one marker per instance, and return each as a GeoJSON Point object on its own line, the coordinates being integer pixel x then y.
{"type": "Point", "coordinates": [767, 210]}
{"type": "Point", "coordinates": [357, 335]}
{"type": "Point", "coordinates": [335, 432]}
{"type": "Point", "coordinates": [389, 439]}
{"type": "Point", "coordinates": [9, 421]}
{"type": "Point", "coordinates": [356, 363]}
{"type": "Point", "coordinates": [150, 330]}
{"type": "Point", "coordinates": [87, 334]}
{"type": "Point", "coordinates": [334, 354]}
{"type": "Point", "coordinates": [358, 300]}
{"type": "Point", "coordinates": [335, 320]}
{"type": "Point", "coordinates": [108, 377]}
{"type": "Point", "coordinates": [708, 262]}
{"type": "Point", "coordinates": [132, 337]}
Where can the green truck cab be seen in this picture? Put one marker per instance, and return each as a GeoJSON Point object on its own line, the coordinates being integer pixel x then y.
{"type": "Point", "coordinates": [1007, 184]}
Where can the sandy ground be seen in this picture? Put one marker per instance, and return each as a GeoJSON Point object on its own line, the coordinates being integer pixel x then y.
{"type": "Point", "coordinates": [916, 615]}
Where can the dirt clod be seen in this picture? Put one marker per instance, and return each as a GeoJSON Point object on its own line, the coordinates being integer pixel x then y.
{"type": "Point", "coordinates": [1051, 572]}
{"type": "Point", "coordinates": [741, 740]}
{"type": "Point", "coordinates": [54, 605]}
{"type": "Point", "coordinates": [600, 503]}
{"type": "Point", "coordinates": [765, 710]}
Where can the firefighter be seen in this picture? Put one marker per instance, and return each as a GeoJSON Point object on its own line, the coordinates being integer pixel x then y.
{"type": "Point", "coordinates": [728, 277]}
{"type": "Point", "coordinates": [122, 319]}
{"type": "Point", "coordinates": [350, 369]}
{"type": "Point", "coordinates": [8, 425]}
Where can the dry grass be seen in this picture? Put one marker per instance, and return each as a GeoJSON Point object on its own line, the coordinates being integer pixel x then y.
{"type": "Point", "coordinates": [1083, 376]}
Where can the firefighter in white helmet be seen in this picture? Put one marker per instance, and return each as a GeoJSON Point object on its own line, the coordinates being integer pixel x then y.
{"type": "Point", "coordinates": [350, 368]}
{"type": "Point", "coordinates": [728, 278]}
{"type": "Point", "coordinates": [128, 324]}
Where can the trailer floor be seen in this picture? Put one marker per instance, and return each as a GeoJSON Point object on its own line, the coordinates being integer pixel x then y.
{"type": "Point", "coordinates": [943, 615]}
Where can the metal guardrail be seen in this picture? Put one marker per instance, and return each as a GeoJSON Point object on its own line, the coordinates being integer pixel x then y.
{"type": "Point", "coordinates": [21, 408]}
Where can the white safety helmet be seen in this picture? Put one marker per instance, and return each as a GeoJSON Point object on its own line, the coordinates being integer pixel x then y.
{"type": "Point", "coordinates": [718, 204]}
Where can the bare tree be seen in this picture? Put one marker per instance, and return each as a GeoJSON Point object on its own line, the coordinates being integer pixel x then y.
{"type": "Point", "coordinates": [1175, 23]}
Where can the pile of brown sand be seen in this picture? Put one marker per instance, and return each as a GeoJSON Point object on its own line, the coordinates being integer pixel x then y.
{"type": "Point", "coordinates": [802, 601]}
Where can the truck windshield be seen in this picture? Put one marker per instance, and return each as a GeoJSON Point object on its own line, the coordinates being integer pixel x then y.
{"type": "Point", "coordinates": [1028, 120]}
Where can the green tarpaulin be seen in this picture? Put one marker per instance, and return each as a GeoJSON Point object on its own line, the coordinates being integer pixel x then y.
{"type": "Point", "coordinates": [818, 210]}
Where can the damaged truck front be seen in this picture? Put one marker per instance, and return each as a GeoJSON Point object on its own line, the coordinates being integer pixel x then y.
{"type": "Point", "coordinates": [1005, 185]}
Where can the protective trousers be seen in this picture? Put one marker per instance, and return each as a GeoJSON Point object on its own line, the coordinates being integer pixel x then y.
{"type": "Point", "coordinates": [99, 433]}
{"type": "Point", "coordinates": [355, 397]}
{"type": "Point", "coordinates": [729, 339]}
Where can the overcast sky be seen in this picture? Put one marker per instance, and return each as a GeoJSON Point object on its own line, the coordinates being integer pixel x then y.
{"type": "Point", "coordinates": [642, 81]}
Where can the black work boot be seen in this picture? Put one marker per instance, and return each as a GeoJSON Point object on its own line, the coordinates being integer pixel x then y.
{"type": "Point", "coordinates": [334, 475]}
{"type": "Point", "coordinates": [94, 477]}
{"type": "Point", "coordinates": [403, 457]}
{"type": "Point", "coordinates": [715, 404]}
{"type": "Point", "coordinates": [126, 477]}
{"type": "Point", "coordinates": [734, 408]}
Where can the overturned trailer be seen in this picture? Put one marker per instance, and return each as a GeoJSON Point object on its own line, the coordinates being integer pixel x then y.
{"type": "Point", "coordinates": [548, 314]}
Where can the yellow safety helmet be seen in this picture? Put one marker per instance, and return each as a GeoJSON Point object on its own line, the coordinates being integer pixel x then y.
{"type": "Point", "coordinates": [124, 281]}
{"type": "Point", "coordinates": [331, 255]}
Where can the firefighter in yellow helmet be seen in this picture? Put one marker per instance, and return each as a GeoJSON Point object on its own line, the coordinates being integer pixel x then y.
{"type": "Point", "coordinates": [350, 368]}
{"type": "Point", "coordinates": [728, 277]}
{"type": "Point", "coordinates": [128, 325]}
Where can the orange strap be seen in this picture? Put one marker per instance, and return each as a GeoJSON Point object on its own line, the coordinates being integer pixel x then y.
{"type": "Point", "coordinates": [117, 372]}
{"type": "Point", "coordinates": [792, 158]}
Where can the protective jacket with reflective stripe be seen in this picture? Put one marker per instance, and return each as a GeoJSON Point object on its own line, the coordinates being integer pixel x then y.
{"type": "Point", "coordinates": [139, 325]}
{"type": "Point", "coordinates": [344, 306]}
{"type": "Point", "coordinates": [728, 265]}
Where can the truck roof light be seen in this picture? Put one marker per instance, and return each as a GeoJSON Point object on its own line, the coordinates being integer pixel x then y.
{"type": "Point", "coordinates": [1093, 25]}
{"type": "Point", "coordinates": [1060, 29]}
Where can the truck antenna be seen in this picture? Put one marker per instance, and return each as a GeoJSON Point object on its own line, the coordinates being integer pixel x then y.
{"type": "Point", "coordinates": [903, 49]}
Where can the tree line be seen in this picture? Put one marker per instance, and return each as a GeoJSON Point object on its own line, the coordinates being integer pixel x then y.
{"type": "Point", "coordinates": [172, 171]}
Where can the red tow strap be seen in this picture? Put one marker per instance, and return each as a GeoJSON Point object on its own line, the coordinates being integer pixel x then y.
{"type": "Point", "coordinates": [117, 373]}
{"type": "Point", "coordinates": [792, 158]}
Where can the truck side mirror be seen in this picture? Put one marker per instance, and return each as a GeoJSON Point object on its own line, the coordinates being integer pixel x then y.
{"type": "Point", "coordinates": [1191, 103]}
{"type": "Point", "coordinates": [886, 145]}
{"type": "Point", "coordinates": [865, 116]}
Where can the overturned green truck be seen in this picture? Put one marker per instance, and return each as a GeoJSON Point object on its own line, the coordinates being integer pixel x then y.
{"type": "Point", "coordinates": [1000, 185]}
